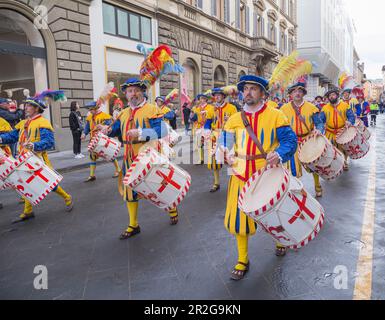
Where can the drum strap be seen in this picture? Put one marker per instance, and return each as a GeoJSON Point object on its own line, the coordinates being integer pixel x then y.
{"type": "Point", "coordinates": [250, 158]}
{"type": "Point", "coordinates": [300, 117]}
{"type": "Point", "coordinates": [252, 135]}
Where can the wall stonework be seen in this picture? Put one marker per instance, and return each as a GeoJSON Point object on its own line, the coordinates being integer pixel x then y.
{"type": "Point", "coordinates": [208, 47]}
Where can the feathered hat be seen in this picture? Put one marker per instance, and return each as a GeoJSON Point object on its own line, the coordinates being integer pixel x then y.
{"type": "Point", "coordinates": [345, 82]}
{"type": "Point", "coordinates": [289, 70]}
{"type": "Point", "coordinates": [55, 95]}
{"type": "Point", "coordinates": [172, 96]}
{"type": "Point", "coordinates": [157, 62]}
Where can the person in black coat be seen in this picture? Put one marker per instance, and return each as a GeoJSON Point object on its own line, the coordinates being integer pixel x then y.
{"type": "Point", "coordinates": [76, 125]}
{"type": "Point", "coordinates": [186, 117]}
{"type": "Point", "coordinates": [12, 117]}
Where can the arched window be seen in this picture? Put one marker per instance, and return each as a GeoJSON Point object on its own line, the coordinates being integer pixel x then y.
{"type": "Point", "coordinates": [23, 57]}
{"type": "Point", "coordinates": [191, 77]}
{"type": "Point", "coordinates": [241, 74]}
{"type": "Point", "coordinates": [220, 78]}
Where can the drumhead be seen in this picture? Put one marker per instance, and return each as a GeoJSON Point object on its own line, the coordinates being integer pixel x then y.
{"type": "Point", "coordinates": [140, 165]}
{"type": "Point", "coordinates": [312, 149]}
{"type": "Point", "coordinates": [347, 135]}
{"type": "Point", "coordinates": [263, 189]}
{"type": "Point", "coordinates": [295, 184]}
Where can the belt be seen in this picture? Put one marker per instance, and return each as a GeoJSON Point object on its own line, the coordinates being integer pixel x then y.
{"type": "Point", "coordinates": [250, 157]}
{"type": "Point", "coordinates": [133, 142]}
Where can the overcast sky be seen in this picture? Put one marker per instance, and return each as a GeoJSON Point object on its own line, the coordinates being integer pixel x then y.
{"type": "Point", "coordinates": [369, 19]}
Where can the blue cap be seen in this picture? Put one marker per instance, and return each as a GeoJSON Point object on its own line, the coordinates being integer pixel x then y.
{"type": "Point", "coordinates": [250, 79]}
{"type": "Point", "coordinates": [36, 103]}
{"type": "Point", "coordinates": [161, 98]}
{"type": "Point", "coordinates": [297, 85]}
{"type": "Point", "coordinates": [133, 82]}
{"type": "Point", "coordinates": [3, 100]}
{"type": "Point", "coordinates": [91, 105]}
{"type": "Point", "coordinates": [218, 91]}
{"type": "Point", "coordinates": [201, 95]}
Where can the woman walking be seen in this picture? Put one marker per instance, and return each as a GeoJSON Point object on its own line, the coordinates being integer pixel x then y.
{"type": "Point", "coordinates": [76, 125]}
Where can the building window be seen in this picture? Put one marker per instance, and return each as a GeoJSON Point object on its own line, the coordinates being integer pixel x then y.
{"type": "Point", "coordinates": [126, 24]}
{"type": "Point", "coordinates": [243, 17]}
{"type": "Point", "coordinates": [191, 77]}
{"type": "Point", "coordinates": [220, 77]}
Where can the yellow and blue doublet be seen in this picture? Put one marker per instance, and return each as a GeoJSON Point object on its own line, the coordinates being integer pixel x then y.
{"type": "Point", "coordinates": [310, 114]}
{"type": "Point", "coordinates": [273, 131]}
{"type": "Point", "coordinates": [148, 119]}
{"type": "Point", "coordinates": [5, 127]}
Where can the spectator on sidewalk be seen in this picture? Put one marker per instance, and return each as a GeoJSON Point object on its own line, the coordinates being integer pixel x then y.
{"type": "Point", "coordinates": [186, 117]}
{"type": "Point", "coordinates": [76, 125]}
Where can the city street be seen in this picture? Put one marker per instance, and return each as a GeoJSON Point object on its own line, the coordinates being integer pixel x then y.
{"type": "Point", "coordinates": [193, 260]}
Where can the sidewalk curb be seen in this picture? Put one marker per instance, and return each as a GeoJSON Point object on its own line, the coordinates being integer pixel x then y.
{"type": "Point", "coordinates": [83, 166]}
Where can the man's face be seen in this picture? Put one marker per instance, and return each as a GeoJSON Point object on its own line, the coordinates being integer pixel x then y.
{"type": "Point", "coordinates": [318, 100]}
{"type": "Point", "coordinates": [253, 94]}
{"type": "Point", "coordinates": [30, 110]}
{"type": "Point", "coordinates": [203, 100]}
{"type": "Point", "coordinates": [219, 98]}
{"type": "Point", "coordinates": [298, 94]}
{"type": "Point", "coordinates": [346, 95]}
{"type": "Point", "coordinates": [333, 98]}
{"type": "Point", "coordinates": [159, 103]}
{"type": "Point", "coordinates": [134, 95]}
{"type": "Point", "coordinates": [94, 111]}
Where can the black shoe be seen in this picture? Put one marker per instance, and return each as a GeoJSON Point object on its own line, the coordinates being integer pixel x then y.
{"type": "Point", "coordinates": [125, 235]}
{"type": "Point", "coordinates": [93, 178]}
{"type": "Point", "coordinates": [215, 188]}
{"type": "Point", "coordinates": [24, 217]}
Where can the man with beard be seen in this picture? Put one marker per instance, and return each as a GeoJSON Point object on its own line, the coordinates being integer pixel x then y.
{"type": "Point", "coordinates": [95, 118]}
{"type": "Point", "coordinates": [139, 124]}
{"type": "Point", "coordinates": [35, 134]}
{"type": "Point", "coordinates": [336, 114]}
{"type": "Point", "coordinates": [260, 135]}
{"type": "Point", "coordinates": [303, 118]}
{"type": "Point", "coordinates": [223, 111]}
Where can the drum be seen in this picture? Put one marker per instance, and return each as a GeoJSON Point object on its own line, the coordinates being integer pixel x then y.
{"type": "Point", "coordinates": [173, 138]}
{"type": "Point", "coordinates": [157, 179]}
{"type": "Point", "coordinates": [30, 177]}
{"type": "Point", "coordinates": [281, 206]}
{"type": "Point", "coordinates": [320, 156]}
{"type": "Point", "coordinates": [316, 150]}
{"type": "Point", "coordinates": [166, 149]}
{"type": "Point", "coordinates": [333, 171]}
{"type": "Point", "coordinates": [362, 129]}
{"type": "Point", "coordinates": [104, 147]}
{"type": "Point", "coordinates": [353, 142]}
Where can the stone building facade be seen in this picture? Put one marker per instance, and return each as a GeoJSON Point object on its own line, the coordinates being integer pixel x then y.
{"type": "Point", "coordinates": [218, 41]}
{"type": "Point", "coordinates": [48, 44]}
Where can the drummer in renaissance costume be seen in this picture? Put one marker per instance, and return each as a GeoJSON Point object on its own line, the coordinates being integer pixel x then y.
{"type": "Point", "coordinates": [202, 116]}
{"type": "Point", "coordinates": [259, 136]}
{"type": "Point", "coordinates": [303, 117]}
{"type": "Point", "coordinates": [35, 134]}
{"type": "Point", "coordinates": [336, 115]}
{"type": "Point", "coordinates": [362, 110]}
{"type": "Point", "coordinates": [139, 124]}
{"type": "Point", "coordinates": [167, 113]}
{"type": "Point", "coordinates": [5, 127]}
{"type": "Point", "coordinates": [223, 111]}
{"type": "Point", "coordinates": [349, 99]}
{"type": "Point", "coordinates": [96, 117]}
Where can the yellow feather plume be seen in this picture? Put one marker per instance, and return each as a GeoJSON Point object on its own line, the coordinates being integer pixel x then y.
{"type": "Point", "coordinates": [288, 70]}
